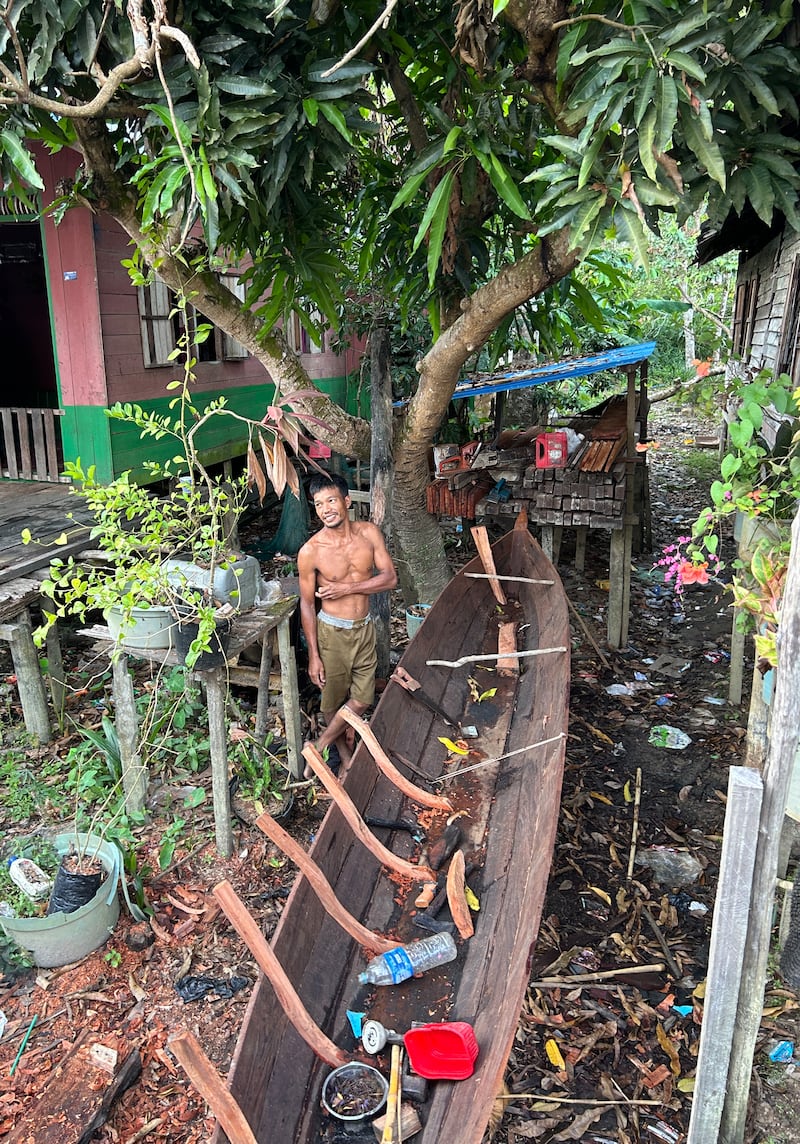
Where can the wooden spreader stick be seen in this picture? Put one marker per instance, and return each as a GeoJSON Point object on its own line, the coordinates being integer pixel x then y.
{"type": "Point", "coordinates": [481, 538]}
{"type": "Point", "coordinates": [245, 925]}
{"type": "Point", "coordinates": [322, 887]}
{"type": "Point", "coordinates": [356, 822]}
{"type": "Point", "coordinates": [435, 801]}
{"type": "Point", "coordinates": [211, 1087]}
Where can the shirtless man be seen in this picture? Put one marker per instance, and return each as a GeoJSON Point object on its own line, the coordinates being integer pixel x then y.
{"type": "Point", "coordinates": [342, 565]}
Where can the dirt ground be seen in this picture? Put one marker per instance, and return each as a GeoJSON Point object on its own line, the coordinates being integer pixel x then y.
{"type": "Point", "coordinates": [629, 1039]}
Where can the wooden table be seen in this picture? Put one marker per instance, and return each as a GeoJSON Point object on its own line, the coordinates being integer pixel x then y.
{"type": "Point", "coordinates": [252, 627]}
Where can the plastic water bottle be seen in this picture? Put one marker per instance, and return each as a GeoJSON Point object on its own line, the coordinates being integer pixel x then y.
{"type": "Point", "coordinates": [409, 960]}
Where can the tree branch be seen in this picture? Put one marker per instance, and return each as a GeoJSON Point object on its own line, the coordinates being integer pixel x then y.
{"type": "Point", "coordinates": [382, 21]}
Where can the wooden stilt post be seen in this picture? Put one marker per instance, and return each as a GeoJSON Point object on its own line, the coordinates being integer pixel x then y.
{"type": "Point", "coordinates": [217, 736]}
{"type": "Point", "coordinates": [32, 694]}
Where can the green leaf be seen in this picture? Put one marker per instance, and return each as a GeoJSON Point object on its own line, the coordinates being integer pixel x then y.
{"type": "Point", "coordinates": [647, 134]}
{"type": "Point", "coordinates": [667, 108]}
{"type": "Point", "coordinates": [21, 159]}
{"type": "Point", "coordinates": [438, 227]}
{"type": "Point", "coordinates": [686, 63]}
{"type": "Point", "coordinates": [311, 108]}
{"type": "Point", "coordinates": [408, 190]}
{"type": "Point", "coordinates": [337, 120]}
{"type": "Point", "coordinates": [452, 138]}
{"type": "Point", "coordinates": [498, 6]}
{"type": "Point", "coordinates": [440, 196]}
{"type": "Point", "coordinates": [243, 85]}
{"type": "Point", "coordinates": [762, 94]}
{"type": "Point", "coordinates": [644, 95]}
{"type": "Point", "coordinates": [706, 150]}
{"type": "Point", "coordinates": [506, 188]}
{"type": "Point", "coordinates": [632, 232]}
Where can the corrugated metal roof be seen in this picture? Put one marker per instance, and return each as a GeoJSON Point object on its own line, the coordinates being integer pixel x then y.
{"type": "Point", "coordinates": [556, 371]}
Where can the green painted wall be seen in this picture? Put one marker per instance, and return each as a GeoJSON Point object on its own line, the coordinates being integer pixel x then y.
{"type": "Point", "coordinates": [86, 433]}
{"type": "Point", "coordinates": [115, 446]}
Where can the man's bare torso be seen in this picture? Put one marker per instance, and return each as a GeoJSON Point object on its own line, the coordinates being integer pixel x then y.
{"type": "Point", "coordinates": [339, 563]}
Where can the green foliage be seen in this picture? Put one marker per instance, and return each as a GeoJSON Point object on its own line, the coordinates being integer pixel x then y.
{"type": "Point", "coordinates": [31, 783]}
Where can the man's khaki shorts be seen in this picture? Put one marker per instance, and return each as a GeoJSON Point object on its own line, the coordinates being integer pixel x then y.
{"type": "Point", "coordinates": [350, 660]}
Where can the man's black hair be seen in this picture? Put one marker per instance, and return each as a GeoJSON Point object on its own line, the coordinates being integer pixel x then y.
{"type": "Point", "coordinates": [322, 481]}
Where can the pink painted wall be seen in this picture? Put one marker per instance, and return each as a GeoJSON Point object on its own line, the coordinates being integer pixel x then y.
{"type": "Point", "coordinates": [70, 260]}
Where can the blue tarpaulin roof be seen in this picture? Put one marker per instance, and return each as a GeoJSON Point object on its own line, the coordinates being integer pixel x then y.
{"type": "Point", "coordinates": [556, 371]}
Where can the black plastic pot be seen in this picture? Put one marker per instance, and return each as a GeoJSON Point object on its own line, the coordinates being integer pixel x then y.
{"type": "Point", "coordinates": [72, 890]}
{"type": "Point", "coordinates": [185, 633]}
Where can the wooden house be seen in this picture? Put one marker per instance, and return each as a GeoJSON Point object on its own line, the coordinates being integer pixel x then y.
{"type": "Point", "coordinates": [78, 336]}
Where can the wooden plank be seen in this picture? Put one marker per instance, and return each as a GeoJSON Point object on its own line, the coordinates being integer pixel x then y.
{"type": "Point", "coordinates": [25, 458]}
{"type": "Point", "coordinates": [247, 929]}
{"type": "Point", "coordinates": [481, 538]}
{"type": "Point", "coordinates": [39, 447]}
{"type": "Point", "coordinates": [291, 697]}
{"type": "Point", "coordinates": [10, 444]}
{"type": "Point", "coordinates": [51, 429]}
{"type": "Point", "coordinates": [726, 953]}
{"type": "Point", "coordinates": [507, 660]}
{"type": "Point", "coordinates": [777, 776]}
{"type": "Point", "coordinates": [322, 887]}
{"type": "Point", "coordinates": [206, 1080]}
{"type": "Point", "coordinates": [77, 1098]}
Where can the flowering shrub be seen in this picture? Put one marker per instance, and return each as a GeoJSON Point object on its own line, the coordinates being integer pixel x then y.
{"type": "Point", "coordinates": [685, 566]}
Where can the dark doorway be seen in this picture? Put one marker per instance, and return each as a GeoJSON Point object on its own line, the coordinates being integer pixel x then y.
{"type": "Point", "coordinates": [28, 374]}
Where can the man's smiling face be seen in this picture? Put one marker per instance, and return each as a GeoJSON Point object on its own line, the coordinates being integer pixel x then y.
{"type": "Point", "coordinates": [331, 507]}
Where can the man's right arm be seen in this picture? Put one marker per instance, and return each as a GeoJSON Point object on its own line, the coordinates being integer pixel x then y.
{"type": "Point", "coordinates": [307, 574]}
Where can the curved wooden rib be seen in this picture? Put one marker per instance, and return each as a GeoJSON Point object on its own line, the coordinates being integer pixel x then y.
{"type": "Point", "coordinates": [387, 766]}
{"type": "Point", "coordinates": [356, 823]}
{"type": "Point", "coordinates": [206, 1080]}
{"type": "Point", "coordinates": [322, 887]}
{"type": "Point", "coordinates": [245, 925]}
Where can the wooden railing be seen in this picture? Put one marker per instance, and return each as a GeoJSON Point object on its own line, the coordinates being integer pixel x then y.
{"type": "Point", "coordinates": [30, 444]}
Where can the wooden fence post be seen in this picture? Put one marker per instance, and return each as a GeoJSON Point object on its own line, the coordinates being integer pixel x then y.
{"type": "Point", "coordinates": [777, 776]}
{"type": "Point", "coordinates": [728, 936]}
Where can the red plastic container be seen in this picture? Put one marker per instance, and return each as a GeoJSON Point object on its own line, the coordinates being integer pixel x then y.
{"type": "Point", "coordinates": [551, 450]}
{"type": "Point", "coordinates": [445, 1051]}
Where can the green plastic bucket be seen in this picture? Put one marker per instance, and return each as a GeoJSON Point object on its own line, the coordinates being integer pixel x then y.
{"type": "Point", "coordinates": [63, 938]}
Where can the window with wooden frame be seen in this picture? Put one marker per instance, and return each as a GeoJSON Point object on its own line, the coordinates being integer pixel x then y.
{"type": "Point", "coordinates": [299, 338]}
{"type": "Point", "coordinates": [162, 326]}
{"type": "Point", "coordinates": [744, 315]}
{"type": "Point", "coordinates": [786, 360]}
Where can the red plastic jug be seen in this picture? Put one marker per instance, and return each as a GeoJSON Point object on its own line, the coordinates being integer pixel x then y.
{"type": "Point", "coordinates": [551, 450]}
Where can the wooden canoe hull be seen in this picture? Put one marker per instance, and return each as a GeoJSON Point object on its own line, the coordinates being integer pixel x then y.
{"type": "Point", "coordinates": [509, 823]}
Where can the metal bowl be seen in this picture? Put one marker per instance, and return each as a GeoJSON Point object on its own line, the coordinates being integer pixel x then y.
{"type": "Point", "coordinates": [375, 1085]}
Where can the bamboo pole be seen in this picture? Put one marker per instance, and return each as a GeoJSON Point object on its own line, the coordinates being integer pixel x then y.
{"type": "Point", "coordinates": [214, 1092]}
{"type": "Point", "coordinates": [512, 579]}
{"type": "Point", "coordinates": [777, 776]}
{"type": "Point", "coordinates": [247, 929]}
{"type": "Point", "coordinates": [322, 887]}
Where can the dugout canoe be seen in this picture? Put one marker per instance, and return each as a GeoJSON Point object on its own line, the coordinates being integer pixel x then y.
{"type": "Point", "coordinates": [510, 811]}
